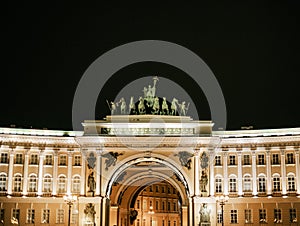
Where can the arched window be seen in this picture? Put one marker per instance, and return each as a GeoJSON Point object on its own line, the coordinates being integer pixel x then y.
{"type": "Point", "coordinates": [32, 183]}
{"type": "Point", "coordinates": [232, 183]}
{"type": "Point", "coordinates": [62, 184]}
{"type": "Point", "coordinates": [218, 184]}
{"type": "Point", "coordinates": [17, 183]}
{"type": "Point", "coordinates": [262, 183]}
{"type": "Point", "coordinates": [276, 183]}
{"type": "Point", "coordinates": [47, 183]}
{"type": "Point", "coordinates": [291, 182]}
{"type": "Point", "coordinates": [3, 179]}
{"type": "Point", "coordinates": [247, 183]}
{"type": "Point", "coordinates": [76, 184]}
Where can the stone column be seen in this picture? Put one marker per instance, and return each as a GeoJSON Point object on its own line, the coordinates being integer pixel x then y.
{"type": "Point", "coordinates": [212, 173]}
{"type": "Point", "coordinates": [196, 173]}
{"type": "Point", "coordinates": [254, 178]}
{"type": "Point", "coordinates": [82, 184]}
{"type": "Point", "coordinates": [69, 184]}
{"type": "Point", "coordinates": [240, 176]}
{"type": "Point", "coordinates": [25, 176]}
{"type": "Point", "coordinates": [225, 173]}
{"type": "Point", "coordinates": [297, 170]}
{"type": "Point", "coordinates": [40, 176]}
{"type": "Point", "coordinates": [283, 171]}
{"type": "Point", "coordinates": [10, 171]}
{"type": "Point", "coordinates": [269, 176]}
{"type": "Point", "coordinates": [55, 166]}
{"type": "Point", "coordinates": [98, 172]}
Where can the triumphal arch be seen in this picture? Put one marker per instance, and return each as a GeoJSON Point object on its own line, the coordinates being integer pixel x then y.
{"type": "Point", "coordinates": [150, 142]}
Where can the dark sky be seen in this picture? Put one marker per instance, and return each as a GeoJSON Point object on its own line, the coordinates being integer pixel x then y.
{"type": "Point", "coordinates": [252, 49]}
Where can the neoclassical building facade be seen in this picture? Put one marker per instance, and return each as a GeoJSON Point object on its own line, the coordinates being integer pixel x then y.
{"type": "Point", "coordinates": [157, 170]}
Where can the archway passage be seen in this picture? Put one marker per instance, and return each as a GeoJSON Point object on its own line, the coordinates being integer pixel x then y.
{"type": "Point", "coordinates": [148, 194]}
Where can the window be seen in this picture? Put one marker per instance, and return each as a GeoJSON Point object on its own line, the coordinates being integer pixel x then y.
{"type": "Point", "coordinates": [48, 160]}
{"type": "Point", "coordinates": [174, 223]}
{"type": "Point", "coordinates": [17, 183]}
{"type": "Point", "coordinates": [19, 159]}
{"type": "Point", "coordinates": [218, 185]}
{"type": "Point", "coordinates": [74, 218]}
{"type": "Point", "coordinates": [2, 211]}
{"type": "Point", "coordinates": [62, 184]}
{"type": "Point", "coordinates": [275, 159]}
{"type": "Point", "coordinates": [218, 160]}
{"type": "Point", "coordinates": [145, 204]}
{"type": "Point", "coordinates": [4, 158]}
{"type": "Point", "coordinates": [163, 222]}
{"type": "Point", "coordinates": [169, 206]}
{"type": "Point", "coordinates": [151, 188]}
{"type": "Point", "coordinates": [32, 183]}
{"type": "Point", "coordinates": [290, 158]}
{"type": "Point", "coordinates": [163, 205]}
{"type": "Point", "coordinates": [247, 183]}
{"type": "Point", "coordinates": [246, 159]}
{"type": "Point", "coordinates": [3, 179]}
{"type": "Point", "coordinates": [162, 189]}
{"type": "Point", "coordinates": [232, 185]}
{"type": "Point", "coordinates": [34, 159]}
{"type": "Point", "coordinates": [276, 183]}
{"type": "Point", "coordinates": [231, 160]}
{"type": "Point", "coordinates": [77, 160]}
{"type": "Point", "coordinates": [174, 206]}
{"type": "Point", "coordinates": [248, 216]}
{"type": "Point", "coordinates": [291, 183]}
{"type": "Point", "coordinates": [45, 216]}
{"type": "Point", "coordinates": [277, 216]}
{"type": "Point", "coordinates": [169, 190]}
{"type": "Point", "coordinates": [156, 188]}
{"type": "Point", "coordinates": [219, 218]}
{"type": "Point", "coordinates": [262, 215]}
{"type": "Point", "coordinates": [174, 190]}
{"type": "Point", "coordinates": [16, 215]}
{"type": "Point", "coordinates": [150, 204]}
{"type": "Point", "coordinates": [233, 216]}
{"type": "Point", "coordinates": [63, 160]}
{"type": "Point", "coordinates": [47, 183]}
{"type": "Point", "coordinates": [169, 223]}
{"type": "Point", "coordinates": [156, 205]}
{"type": "Point", "coordinates": [138, 204]}
{"type": "Point", "coordinates": [30, 216]}
{"type": "Point", "coordinates": [60, 216]}
{"type": "Point", "coordinates": [138, 222]}
{"type": "Point", "coordinates": [293, 216]}
{"type": "Point", "coordinates": [262, 184]}
{"type": "Point", "coordinates": [76, 184]}
{"type": "Point", "coordinates": [261, 159]}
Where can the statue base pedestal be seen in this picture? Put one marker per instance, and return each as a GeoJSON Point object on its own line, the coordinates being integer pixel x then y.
{"type": "Point", "coordinates": [90, 194]}
{"type": "Point", "coordinates": [204, 224]}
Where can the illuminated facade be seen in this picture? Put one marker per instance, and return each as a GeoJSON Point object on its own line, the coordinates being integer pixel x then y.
{"type": "Point", "coordinates": [118, 177]}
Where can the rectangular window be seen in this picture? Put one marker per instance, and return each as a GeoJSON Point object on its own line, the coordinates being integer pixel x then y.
{"type": "Point", "coordinates": [4, 158]}
{"type": "Point", "coordinates": [290, 158]}
{"type": "Point", "coordinates": [261, 159]}
{"type": "Point", "coordinates": [77, 160]}
{"type": "Point", "coordinates": [218, 160]}
{"type": "Point", "coordinates": [277, 216]}
{"type": "Point", "coordinates": [162, 189]}
{"type": "Point", "coordinates": [262, 184]}
{"type": "Point", "coordinates": [163, 205]}
{"type": "Point", "coordinates": [247, 184]}
{"type": "Point", "coordinates": [275, 159]}
{"type": "Point", "coordinates": [219, 218]}
{"type": "Point", "coordinates": [262, 216]}
{"type": "Point", "coordinates": [291, 183]}
{"type": "Point", "coordinates": [174, 206]}
{"type": "Point", "coordinates": [233, 216]}
{"type": "Point", "coordinates": [48, 160]}
{"type": "Point", "coordinates": [246, 159]}
{"type": "Point", "coordinates": [74, 218]}
{"type": "Point", "coordinates": [138, 204]}
{"type": "Point", "coordinates": [174, 223]}
{"type": "Point", "coordinates": [218, 185]}
{"type": "Point", "coordinates": [63, 160]}
{"type": "Point", "coordinates": [156, 205]}
{"type": "Point", "coordinates": [232, 160]}
{"type": "Point", "coordinates": [151, 188]}
{"type": "Point", "coordinates": [145, 204]}
{"type": "Point", "coordinates": [30, 216]}
{"type": "Point", "coordinates": [232, 185]}
{"type": "Point", "coordinates": [60, 216]}
{"type": "Point", "coordinates": [2, 211]}
{"type": "Point", "coordinates": [156, 188]}
{"type": "Point", "coordinates": [276, 184]}
{"type": "Point", "coordinates": [293, 215]}
{"type": "Point", "coordinates": [138, 222]}
{"type": "Point", "coordinates": [34, 159]}
{"type": "Point", "coordinates": [19, 159]}
{"type": "Point", "coordinates": [45, 216]}
{"type": "Point", "coordinates": [15, 216]}
{"type": "Point", "coordinates": [169, 206]}
{"type": "Point", "coordinates": [248, 216]}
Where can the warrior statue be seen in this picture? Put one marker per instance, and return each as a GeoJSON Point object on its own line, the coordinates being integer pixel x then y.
{"type": "Point", "coordinates": [112, 107]}
{"type": "Point", "coordinates": [183, 108]}
{"type": "Point", "coordinates": [203, 181]}
{"type": "Point", "coordinates": [91, 183]}
{"type": "Point", "coordinates": [174, 106]}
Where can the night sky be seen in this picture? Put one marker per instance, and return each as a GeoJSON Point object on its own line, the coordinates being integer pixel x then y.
{"type": "Point", "coordinates": [252, 49]}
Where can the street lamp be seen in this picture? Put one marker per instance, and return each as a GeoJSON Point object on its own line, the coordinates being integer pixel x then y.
{"type": "Point", "coordinates": [222, 200]}
{"type": "Point", "coordinates": [151, 212]}
{"type": "Point", "coordinates": [70, 200]}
